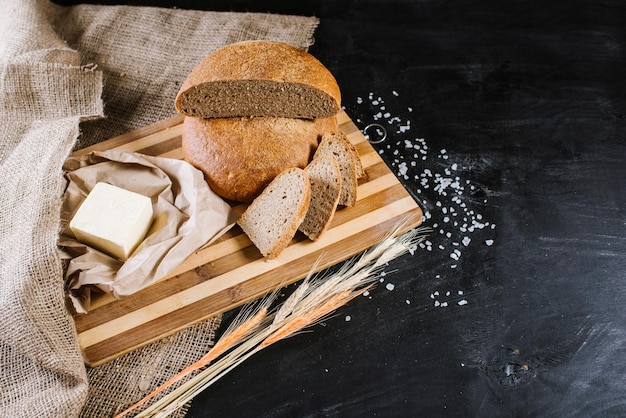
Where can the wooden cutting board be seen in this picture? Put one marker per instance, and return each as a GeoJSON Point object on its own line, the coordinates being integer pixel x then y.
{"type": "Point", "coordinates": [231, 271]}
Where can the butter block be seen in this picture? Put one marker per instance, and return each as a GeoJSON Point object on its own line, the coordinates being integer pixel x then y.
{"type": "Point", "coordinates": [113, 220]}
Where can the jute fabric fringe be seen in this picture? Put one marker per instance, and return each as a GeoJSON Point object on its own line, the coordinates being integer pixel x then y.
{"type": "Point", "coordinates": [71, 77]}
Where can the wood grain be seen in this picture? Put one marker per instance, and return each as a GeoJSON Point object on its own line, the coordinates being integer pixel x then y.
{"type": "Point", "coordinates": [231, 271]}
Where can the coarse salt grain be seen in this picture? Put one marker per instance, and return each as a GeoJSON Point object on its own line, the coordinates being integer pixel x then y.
{"type": "Point", "coordinates": [402, 169]}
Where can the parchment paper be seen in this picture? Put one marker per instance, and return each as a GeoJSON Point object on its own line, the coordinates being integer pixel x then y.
{"type": "Point", "coordinates": [187, 216]}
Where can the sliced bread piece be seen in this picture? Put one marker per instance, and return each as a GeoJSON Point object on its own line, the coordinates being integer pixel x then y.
{"type": "Point", "coordinates": [335, 144]}
{"type": "Point", "coordinates": [259, 78]}
{"type": "Point", "coordinates": [325, 178]}
{"type": "Point", "coordinates": [360, 171]}
{"type": "Point", "coordinates": [272, 219]}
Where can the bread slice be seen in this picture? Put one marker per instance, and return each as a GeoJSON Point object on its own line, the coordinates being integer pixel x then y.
{"type": "Point", "coordinates": [337, 145]}
{"type": "Point", "coordinates": [360, 170]}
{"type": "Point", "coordinates": [259, 78]}
{"type": "Point", "coordinates": [325, 178]}
{"type": "Point", "coordinates": [272, 219]}
{"type": "Point", "coordinates": [240, 156]}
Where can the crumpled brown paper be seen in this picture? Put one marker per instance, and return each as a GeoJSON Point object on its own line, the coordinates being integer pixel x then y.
{"type": "Point", "coordinates": [187, 216]}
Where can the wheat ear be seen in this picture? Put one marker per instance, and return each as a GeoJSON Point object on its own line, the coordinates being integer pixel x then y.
{"type": "Point", "coordinates": [242, 327]}
{"type": "Point", "coordinates": [317, 298]}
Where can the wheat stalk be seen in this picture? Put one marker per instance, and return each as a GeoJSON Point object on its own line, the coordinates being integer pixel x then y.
{"type": "Point", "coordinates": [242, 328]}
{"type": "Point", "coordinates": [258, 326]}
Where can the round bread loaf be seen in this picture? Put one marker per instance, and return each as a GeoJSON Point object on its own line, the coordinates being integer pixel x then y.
{"type": "Point", "coordinates": [241, 156]}
{"type": "Point", "coordinates": [259, 78]}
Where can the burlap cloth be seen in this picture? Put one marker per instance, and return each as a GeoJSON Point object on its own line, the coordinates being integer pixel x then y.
{"type": "Point", "coordinates": [71, 77]}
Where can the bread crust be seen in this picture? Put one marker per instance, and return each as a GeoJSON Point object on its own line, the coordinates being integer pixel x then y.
{"type": "Point", "coordinates": [241, 156]}
{"type": "Point", "coordinates": [274, 62]}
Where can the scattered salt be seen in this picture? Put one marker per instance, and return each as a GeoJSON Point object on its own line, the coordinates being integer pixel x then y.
{"type": "Point", "coordinates": [348, 318]}
{"type": "Point", "coordinates": [390, 286]}
{"type": "Point", "coordinates": [458, 220]}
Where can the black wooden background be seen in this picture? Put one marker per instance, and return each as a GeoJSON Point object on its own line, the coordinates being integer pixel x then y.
{"type": "Point", "coordinates": [507, 123]}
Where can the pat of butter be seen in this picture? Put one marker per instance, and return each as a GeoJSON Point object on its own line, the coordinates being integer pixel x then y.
{"type": "Point", "coordinates": [113, 220]}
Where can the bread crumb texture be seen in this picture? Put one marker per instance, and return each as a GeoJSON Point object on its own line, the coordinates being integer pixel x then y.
{"type": "Point", "coordinates": [273, 218]}
{"type": "Point", "coordinates": [325, 178]}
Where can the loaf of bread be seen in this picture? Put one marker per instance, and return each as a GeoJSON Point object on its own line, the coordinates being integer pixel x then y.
{"type": "Point", "coordinates": [259, 78]}
{"type": "Point", "coordinates": [336, 145]}
{"type": "Point", "coordinates": [240, 156]}
{"type": "Point", "coordinates": [325, 178]}
{"type": "Point", "coordinates": [272, 219]}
